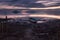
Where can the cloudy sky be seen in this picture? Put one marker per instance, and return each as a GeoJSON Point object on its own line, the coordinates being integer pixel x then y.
{"type": "Point", "coordinates": [18, 2]}
{"type": "Point", "coordinates": [29, 0]}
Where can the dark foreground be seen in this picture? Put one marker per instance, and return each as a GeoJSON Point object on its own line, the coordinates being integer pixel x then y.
{"type": "Point", "coordinates": [31, 31]}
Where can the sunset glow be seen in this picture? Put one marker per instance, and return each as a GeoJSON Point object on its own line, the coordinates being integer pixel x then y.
{"type": "Point", "coordinates": [31, 15]}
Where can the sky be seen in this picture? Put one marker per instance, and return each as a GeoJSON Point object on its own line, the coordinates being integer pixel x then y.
{"type": "Point", "coordinates": [29, 0]}
{"type": "Point", "coordinates": [18, 2]}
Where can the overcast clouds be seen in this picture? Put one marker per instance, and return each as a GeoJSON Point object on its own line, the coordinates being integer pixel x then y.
{"type": "Point", "coordinates": [31, 0]}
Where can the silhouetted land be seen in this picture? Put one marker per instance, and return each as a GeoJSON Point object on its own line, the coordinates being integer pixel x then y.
{"type": "Point", "coordinates": [30, 31]}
